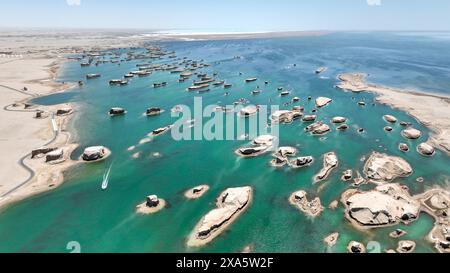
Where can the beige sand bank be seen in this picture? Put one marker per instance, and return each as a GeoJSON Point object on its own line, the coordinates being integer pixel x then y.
{"type": "Point", "coordinates": [20, 131]}
{"type": "Point", "coordinates": [431, 110]}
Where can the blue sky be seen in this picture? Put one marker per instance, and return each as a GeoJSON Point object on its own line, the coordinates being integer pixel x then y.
{"type": "Point", "coordinates": [229, 15]}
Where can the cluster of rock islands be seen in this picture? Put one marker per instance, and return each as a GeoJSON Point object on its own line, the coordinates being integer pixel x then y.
{"type": "Point", "coordinates": [388, 203]}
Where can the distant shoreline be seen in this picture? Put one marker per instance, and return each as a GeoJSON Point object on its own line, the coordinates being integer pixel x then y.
{"type": "Point", "coordinates": [430, 109]}
{"type": "Point", "coordinates": [230, 36]}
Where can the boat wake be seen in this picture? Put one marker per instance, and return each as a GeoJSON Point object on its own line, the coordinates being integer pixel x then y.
{"type": "Point", "coordinates": [106, 178]}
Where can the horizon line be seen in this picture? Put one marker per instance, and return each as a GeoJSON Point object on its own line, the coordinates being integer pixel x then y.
{"type": "Point", "coordinates": [211, 31]}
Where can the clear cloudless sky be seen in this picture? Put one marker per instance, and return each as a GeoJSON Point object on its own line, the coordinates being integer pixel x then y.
{"type": "Point", "coordinates": [229, 15]}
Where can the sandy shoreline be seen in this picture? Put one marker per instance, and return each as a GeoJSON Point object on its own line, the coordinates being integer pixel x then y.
{"type": "Point", "coordinates": [22, 132]}
{"type": "Point", "coordinates": [34, 63]}
{"type": "Point", "coordinates": [429, 109]}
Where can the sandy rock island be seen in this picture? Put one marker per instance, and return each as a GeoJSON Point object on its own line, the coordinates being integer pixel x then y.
{"type": "Point", "coordinates": [152, 205]}
{"type": "Point", "coordinates": [311, 208]}
{"type": "Point", "coordinates": [230, 205]}
{"type": "Point", "coordinates": [197, 192]}
{"type": "Point", "coordinates": [380, 168]}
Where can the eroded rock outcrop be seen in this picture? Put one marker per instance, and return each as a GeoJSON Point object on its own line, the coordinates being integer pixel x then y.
{"type": "Point", "coordinates": [347, 175]}
{"type": "Point", "coordinates": [95, 153]}
{"type": "Point", "coordinates": [42, 151]}
{"type": "Point", "coordinates": [386, 205]}
{"type": "Point", "coordinates": [311, 208]}
{"type": "Point", "coordinates": [302, 162]}
{"type": "Point", "coordinates": [411, 133]}
{"type": "Point", "coordinates": [356, 247]}
{"type": "Point", "coordinates": [196, 192]}
{"type": "Point", "coordinates": [260, 144]}
{"type": "Point", "coordinates": [309, 118]}
{"type": "Point", "coordinates": [426, 149]}
{"type": "Point", "coordinates": [331, 239]}
{"type": "Point", "coordinates": [406, 246]}
{"type": "Point", "coordinates": [152, 204]}
{"type": "Point", "coordinates": [390, 118]}
{"type": "Point", "coordinates": [384, 168]}
{"type": "Point", "coordinates": [285, 116]}
{"type": "Point", "coordinates": [323, 101]}
{"type": "Point", "coordinates": [330, 162]}
{"type": "Point", "coordinates": [397, 233]}
{"type": "Point", "coordinates": [337, 120]}
{"type": "Point", "coordinates": [403, 147]}
{"type": "Point", "coordinates": [55, 156]}
{"type": "Point", "coordinates": [230, 204]}
{"type": "Point", "coordinates": [436, 202]}
{"type": "Point", "coordinates": [318, 128]}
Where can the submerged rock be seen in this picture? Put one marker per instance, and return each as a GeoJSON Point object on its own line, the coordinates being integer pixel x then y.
{"type": "Point", "coordinates": [411, 133]}
{"type": "Point", "coordinates": [230, 204]}
{"type": "Point", "coordinates": [331, 239]}
{"type": "Point", "coordinates": [330, 162]}
{"type": "Point", "coordinates": [248, 249]}
{"type": "Point", "coordinates": [311, 208]}
{"type": "Point", "coordinates": [388, 129]}
{"type": "Point", "coordinates": [384, 168]}
{"type": "Point", "coordinates": [333, 205]}
{"type": "Point", "coordinates": [426, 149]}
{"type": "Point", "coordinates": [405, 124]}
{"type": "Point", "coordinates": [385, 205]}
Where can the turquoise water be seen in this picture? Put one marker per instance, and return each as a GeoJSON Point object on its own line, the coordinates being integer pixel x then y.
{"type": "Point", "coordinates": [106, 221]}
